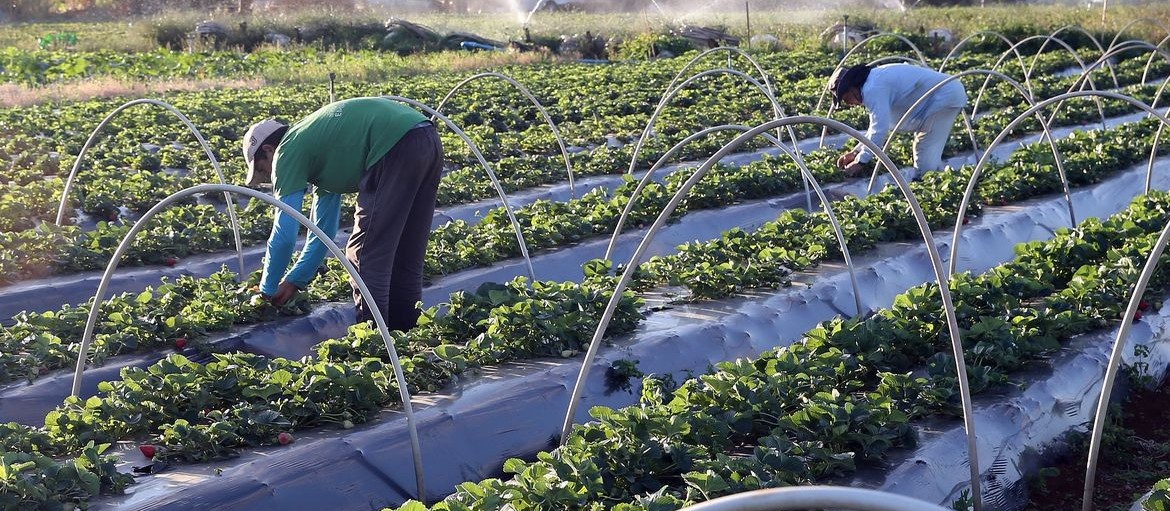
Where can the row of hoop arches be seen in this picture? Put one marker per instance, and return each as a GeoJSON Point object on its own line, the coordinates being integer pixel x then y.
{"type": "Point", "coordinates": [781, 125]}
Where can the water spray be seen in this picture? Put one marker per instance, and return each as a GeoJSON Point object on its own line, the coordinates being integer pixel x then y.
{"type": "Point", "coordinates": [660, 10]}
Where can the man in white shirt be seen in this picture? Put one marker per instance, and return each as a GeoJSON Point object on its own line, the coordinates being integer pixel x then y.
{"type": "Point", "coordinates": [890, 90]}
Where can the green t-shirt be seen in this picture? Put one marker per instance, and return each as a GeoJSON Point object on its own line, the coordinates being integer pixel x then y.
{"type": "Point", "coordinates": [333, 146]}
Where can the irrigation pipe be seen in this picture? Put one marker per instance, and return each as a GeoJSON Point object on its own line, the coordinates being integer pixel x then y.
{"type": "Point", "coordinates": [815, 497]}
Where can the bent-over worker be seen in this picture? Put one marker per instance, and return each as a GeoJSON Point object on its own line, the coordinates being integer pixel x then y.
{"type": "Point", "coordinates": [389, 155]}
{"type": "Point", "coordinates": [888, 91]}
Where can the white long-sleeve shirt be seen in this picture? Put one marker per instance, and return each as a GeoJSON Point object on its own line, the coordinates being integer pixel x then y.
{"type": "Point", "coordinates": [891, 89]}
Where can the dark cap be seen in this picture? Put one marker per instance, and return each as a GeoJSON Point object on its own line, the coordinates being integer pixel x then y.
{"type": "Point", "coordinates": [844, 79]}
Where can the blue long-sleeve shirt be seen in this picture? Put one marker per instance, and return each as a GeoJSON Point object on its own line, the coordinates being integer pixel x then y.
{"type": "Point", "coordinates": [283, 240]}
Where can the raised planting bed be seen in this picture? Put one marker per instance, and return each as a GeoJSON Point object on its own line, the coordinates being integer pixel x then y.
{"type": "Point", "coordinates": [1022, 432]}
{"type": "Point", "coordinates": [516, 409]}
{"type": "Point", "coordinates": [296, 337]}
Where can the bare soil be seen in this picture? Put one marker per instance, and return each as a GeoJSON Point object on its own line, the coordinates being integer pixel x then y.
{"type": "Point", "coordinates": [1135, 455]}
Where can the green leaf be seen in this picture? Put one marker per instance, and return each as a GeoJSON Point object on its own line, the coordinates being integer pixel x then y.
{"type": "Point", "coordinates": [412, 505]}
{"type": "Point", "coordinates": [449, 351]}
{"type": "Point", "coordinates": [281, 377]}
{"type": "Point", "coordinates": [514, 466]}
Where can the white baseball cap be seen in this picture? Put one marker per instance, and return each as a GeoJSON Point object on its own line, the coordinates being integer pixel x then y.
{"type": "Point", "coordinates": [253, 139]}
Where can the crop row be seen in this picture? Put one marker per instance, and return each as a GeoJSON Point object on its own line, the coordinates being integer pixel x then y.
{"type": "Point", "coordinates": [493, 116]}
{"type": "Point", "coordinates": [739, 260]}
{"type": "Point", "coordinates": [206, 411]}
{"type": "Point", "coordinates": [38, 342]}
{"type": "Point", "coordinates": [69, 249]}
{"type": "Point", "coordinates": [845, 394]}
{"type": "Point", "coordinates": [144, 401]}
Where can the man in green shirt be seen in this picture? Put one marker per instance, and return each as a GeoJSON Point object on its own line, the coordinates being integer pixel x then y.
{"type": "Point", "coordinates": [387, 153]}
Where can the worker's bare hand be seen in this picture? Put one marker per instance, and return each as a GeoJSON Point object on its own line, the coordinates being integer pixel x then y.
{"type": "Point", "coordinates": [846, 159]}
{"type": "Point", "coordinates": [284, 293]}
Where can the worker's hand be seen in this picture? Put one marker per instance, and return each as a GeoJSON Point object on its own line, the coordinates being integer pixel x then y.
{"type": "Point", "coordinates": [846, 159]}
{"type": "Point", "coordinates": [284, 293]}
{"type": "Point", "coordinates": [855, 169]}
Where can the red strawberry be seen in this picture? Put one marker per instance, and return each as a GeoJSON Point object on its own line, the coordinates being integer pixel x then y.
{"type": "Point", "coordinates": [1143, 305]}
{"type": "Point", "coordinates": [180, 343]}
{"type": "Point", "coordinates": [1137, 315]}
{"type": "Point", "coordinates": [171, 261]}
{"type": "Point", "coordinates": [284, 438]}
{"type": "Point", "coordinates": [966, 220]}
{"type": "Point", "coordinates": [148, 450]}
{"type": "Point", "coordinates": [112, 215]}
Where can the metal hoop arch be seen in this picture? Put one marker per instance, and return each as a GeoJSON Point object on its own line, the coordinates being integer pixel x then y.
{"type": "Point", "coordinates": [666, 157]}
{"type": "Point", "coordinates": [815, 497]}
{"type": "Point", "coordinates": [1127, 46]}
{"type": "Point", "coordinates": [532, 99]}
{"type": "Point", "coordinates": [1154, 50]}
{"type": "Point", "coordinates": [874, 62]}
{"type": "Point", "coordinates": [671, 93]}
{"type": "Point", "coordinates": [1151, 21]}
{"type": "Point", "coordinates": [1123, 47]}
{"type": "Point", "coordinates": [1063, 44]}
{"type": "Point", "coordinates": [1133, 44]}
{"type": "Point", "coordinates": [231, 205]}
{"type": "Point", "coordinates": [841, 63]}
{"type": "Point", "coordinates": [898, 58]}
{"type": "Point", "coordinates": [1150, 59]}
{"type": "Point", "coordinates": [732, 51]}
{"type": "Point", "coordinates": [1003, 134]}
{"type": "Point", "coordinates": [805, 172]}
{"type": "Point", "coordinates": [95, 309]}
{"type": "Point", "coordinates": [923, 226]}
{"type": "Point", "coordinates": [1114, 364]}
{"type": "Point", "coordinates": [1073, 28]}
{"type": "Point", "coordinates": [491, 175]}
{"type": "Point", "coordinates": [1044, 125]}
{"type": "Point", "coordinates": [965, 40]}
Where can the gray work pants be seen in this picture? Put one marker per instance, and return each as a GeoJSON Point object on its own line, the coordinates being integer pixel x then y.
{"type": "Point", "coordinates": [930, 141]}
{"type": "Point", "coordinates": [392, 222]}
